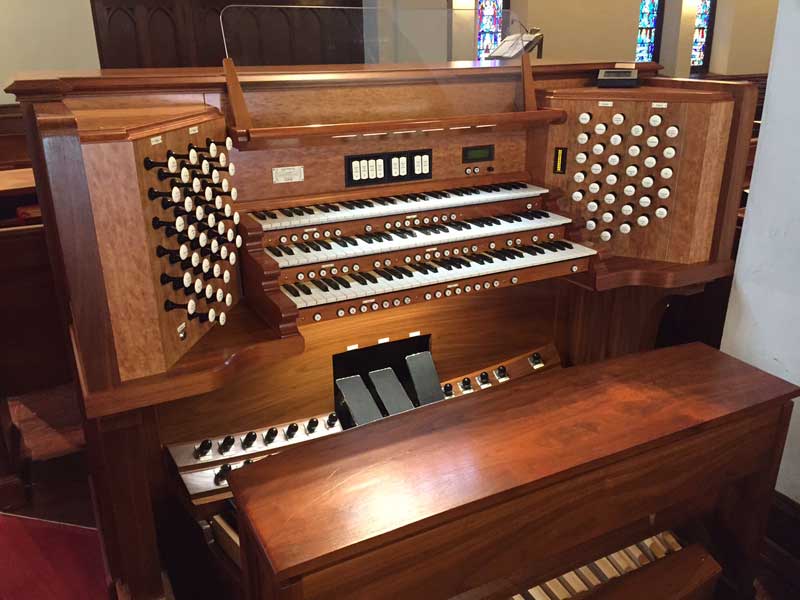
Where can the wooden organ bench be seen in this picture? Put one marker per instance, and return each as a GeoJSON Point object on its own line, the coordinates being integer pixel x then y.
{"type": "Point", "coordinates": [263, 268]}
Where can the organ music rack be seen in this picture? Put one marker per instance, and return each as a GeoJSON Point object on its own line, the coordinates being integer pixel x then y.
{"type": "Point", "coordinates": [246, 374]}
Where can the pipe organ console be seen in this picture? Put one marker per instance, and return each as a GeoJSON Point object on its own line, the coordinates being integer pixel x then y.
{"type": "Point", "coordinates": [329, 327]}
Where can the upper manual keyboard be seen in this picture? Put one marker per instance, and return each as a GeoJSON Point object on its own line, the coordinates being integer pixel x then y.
{"type": "Point", "coordinates": [349, 210]}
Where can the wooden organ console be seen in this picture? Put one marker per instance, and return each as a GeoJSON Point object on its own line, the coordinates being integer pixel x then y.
{"type": "Point", "coordinates": [372, 330]}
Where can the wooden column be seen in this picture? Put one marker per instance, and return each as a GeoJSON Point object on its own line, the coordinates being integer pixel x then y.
{"type": "Point", "coordinates": [740, 522]}
{"type": "Point", "coordinates": [120, 459]}
{"type": "Point", "coordinates": [12, 486]}
{"type": "Point", "coordinates": [594, 326]}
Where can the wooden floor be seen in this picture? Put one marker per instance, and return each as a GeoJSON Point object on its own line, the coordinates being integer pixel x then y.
{"type": "Point", "coordinates": [51, 425]}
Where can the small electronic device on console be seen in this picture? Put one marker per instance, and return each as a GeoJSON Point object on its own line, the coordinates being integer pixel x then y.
{"type": "Point", "coordinates": [618, 78]}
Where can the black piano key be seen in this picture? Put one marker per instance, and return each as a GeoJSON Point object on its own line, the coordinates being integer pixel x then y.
{"type": "Point", "coordinates": [303, 288]}
{"type": "Point", "coordinates": [291, 289]}
{"type": "Point", "coordinates": [314, 246]}
{"type": "Point", "coordinates": [302, 247]}
{"type": "Point", "coordinates": [319, 284]}
{"type": "Point", "coordinates": [342, 281]}
{"type": "Point", "coordinates": [387, 276]}
{"type": "Point", "coordinates": [330, 283]}
{"type": "Point", "coordinates": [370, 277]}
{"type": "Point", "coordinates": [274, 251]}
{"type": "Point", "coordinates": [360, 279]}
{"type": "Point", "coordinates": [298, 212]}
{"type": "Point", "coordinates": [286, 250]}
{"type": "Point", "coordinates": [307, 209]}
{"type": "Point", "coordinates": [286, 212]}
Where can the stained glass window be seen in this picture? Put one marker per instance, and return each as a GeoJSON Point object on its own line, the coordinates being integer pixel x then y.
{"type": "Point", "coordinates": [702, 23]}
{"type": "Point", "coordinates": [647, 38]}
{"type": "Point", "coordinates": [490, 25]}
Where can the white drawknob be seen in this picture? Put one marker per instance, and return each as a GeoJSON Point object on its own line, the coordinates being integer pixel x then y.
{"type": "Point", "coordinates": [172, 164]}
{"type": "Point", "coordinates": [608, 217]}
{"type": "Point", "coordinates": [187, 280]}
{"type": "Point", "coordinates": [672, 132]}
{"type": "Point", "coordinates": [581, 157]}
{"type": "Point", "coordinates": [669, 152]}
{"type": "Point", "coordinates": [666, 173]}
{"type": "Point", "coordinates": [612, 179]}
{"type": "Point", "coordinates": [600, 128]}
{"type": "Point", "coordinates": [637, 130]}
{"type": "Point", "coordinates": [643, 221]}
{"type": "Point", "coordinates": [579, 177]}
{"type": "Point", "coordinates": [618, 119]}
{"type": "Point", "coordinates": [655, 120]}
{"type": "Point", "coordinates": [632, 170]}
{"type": "Point", "coordinates": [191, 307]}
{"type": "Point", "coordinates": [597, 168]}
{"type": "Point", "coordinates": [610, 198]}
{"type": "Point", "coordinates": [616, 139]}
{"type": "Point", "coordinates": [634, 150]}
{"type": "Point", "coordinates": [592, 206]}
{"type": "Point", "coordinates": [598, 149]}
{"type": "Point", "coordinates": [625, 228]}
{"type": "Point", "coordinates": [605, 236]}
{"type": "Point", "coordinates": [627, 210]}
{"type": "Point", "coordinates": [650, 162]}
{"type": "Point", "coordinates": [629, 190]}
{"type": "Point", "coordinates": [176, 194]}
{"type": "Point", "coordinates": [584, 118]}
{"type": "Point", "coordinates": [663, 193]}
{"type": "Point", "coordinates": [591, 224]}
{"type": "Point", "coordinates": [648, 182]}
{"type": "Point", "coordinates": [577, 196]}
{"type": "Point", "coordinates": [193, 156]}
{"type": "Point", "coordinates": [594, 187]}
{"type": "Point", "coordinates": [645, 201]}
{"type": "Point", "coordinates": [661, 212]}
{"type": "Point", "coordinates": [583, 138]}
{"type": "Point", "coordinates": [613, 160]}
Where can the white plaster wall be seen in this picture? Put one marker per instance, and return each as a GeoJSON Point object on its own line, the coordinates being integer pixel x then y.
{"type": "Point", "coordinates": [45, 35]}
{"type": "Point", "coordinates": [762, 326]}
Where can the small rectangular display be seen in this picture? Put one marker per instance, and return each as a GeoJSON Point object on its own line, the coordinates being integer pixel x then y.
{"type": "Point", "coordinates": [471, 154]}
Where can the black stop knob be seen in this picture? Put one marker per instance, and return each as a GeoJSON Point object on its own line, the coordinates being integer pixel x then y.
{"type": "Point", "coordinates": [203, 448]}
{"type": "Point", "coordinates": [291, 430]}
{"type": "Point", "coordinates": [448, 389]}
{"type": "Point", "coordinates": [222, 474]}
{"type": "Point", "coordinates": [249, 439]}
{"type": "Point", "coordinates": [226, 444]}
{"type": "Point", "coordinates": [270, 436]}
{"type": "Point", "coordinates": [249, 461]}
{"type": "Point", "coordinates": [484, 377]}
{"type": "Point", "coordinates": [312, 425]}
{"type": "Point", "coordinates": [332, 419]}
{"type": "Point", "coordinates": [466, 383]}
{"type": "Point", "coordinates": [501, 371]}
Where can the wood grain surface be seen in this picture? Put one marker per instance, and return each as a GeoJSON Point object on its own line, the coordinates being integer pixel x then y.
{"type": "Point", "coordinates": [487, 450]}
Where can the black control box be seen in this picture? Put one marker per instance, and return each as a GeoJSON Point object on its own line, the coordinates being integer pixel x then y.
{"type": "Point", "coordinates": [388, 167]}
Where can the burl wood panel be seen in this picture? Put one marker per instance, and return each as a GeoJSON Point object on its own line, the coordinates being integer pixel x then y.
{"type": "Point", "coordinates": [124, 248]}
{"type": "Point", "coordinates": [146, 337]}
{"type": "Point", "coordinates": [324, 164]}
{"type": "Point", "coordinates": [644, 433]}
{"type": "Point", "coordinates": [467, 334]}
{"type": "Point", "coordinates": [172, 322]}
{"type": "Point", "coordinates": [686, 233]}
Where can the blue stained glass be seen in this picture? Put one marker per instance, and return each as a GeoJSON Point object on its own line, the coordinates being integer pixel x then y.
{"type": "Point", "coordinates": [648, 30]}
{"type": "Point", "coordinates": [701, 23]}
{"type": "Point", "coordinates": [490, 26]}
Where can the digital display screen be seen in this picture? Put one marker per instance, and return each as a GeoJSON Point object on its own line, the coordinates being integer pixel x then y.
{"type": "Point", "coordinates": [472, 154]}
